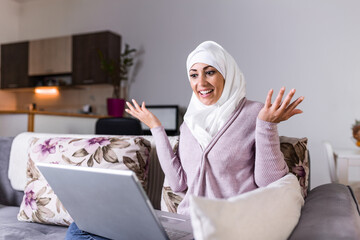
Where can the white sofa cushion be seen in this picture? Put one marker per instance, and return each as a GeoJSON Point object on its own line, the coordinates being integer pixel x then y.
{"type": "Point", "coordinates": [270, 212]}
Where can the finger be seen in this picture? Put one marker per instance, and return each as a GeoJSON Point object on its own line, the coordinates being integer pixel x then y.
{"type": "Point", "coordinates": [279, 97]}
{"type": "Point", "coordinates": [129, 112]}
{"type": "Point", "coordinates": [295, 112]}
{"type": "Point", "coordinates": [292, 110]}
{"type": "Point", "coordinates": [268, 98]}
{"type": "Point", "coordinates": [287, 99]}
{"type": "Point", "coordinates": [137, 107]}
{"type": "Point", "coordinates": [132, 113]}
{"type": "Point", "coordinates": [143, 107]}
{"type": "Point", "coordinates": [295, 103]}
{"type": "Point", "coordinates": [130, 106]}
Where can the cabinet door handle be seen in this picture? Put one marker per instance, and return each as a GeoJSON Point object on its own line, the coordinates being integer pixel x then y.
{"type": "Point", "coordinates": [88, 81]}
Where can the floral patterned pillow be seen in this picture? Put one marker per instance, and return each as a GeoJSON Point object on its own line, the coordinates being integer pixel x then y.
{"type": "Point", "coordinates": [295, 154]}
{"type": "Point", "coordinates": [40, 204]}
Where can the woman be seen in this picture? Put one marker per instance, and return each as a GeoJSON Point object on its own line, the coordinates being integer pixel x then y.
{"type": "Point", "coordinates": [228, 144]}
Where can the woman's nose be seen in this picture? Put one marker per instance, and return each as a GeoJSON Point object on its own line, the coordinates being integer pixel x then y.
{"type": "Point", "coordinates": [202, 79]}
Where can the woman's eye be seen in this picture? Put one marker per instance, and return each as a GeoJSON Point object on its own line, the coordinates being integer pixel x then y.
{"type": "Point", "coordinates": [193, 75]}
{"type": "Point", "coordinates": [210, 72]}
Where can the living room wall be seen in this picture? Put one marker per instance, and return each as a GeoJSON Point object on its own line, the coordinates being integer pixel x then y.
{"type": "Point", "coordinates": [312, 46]}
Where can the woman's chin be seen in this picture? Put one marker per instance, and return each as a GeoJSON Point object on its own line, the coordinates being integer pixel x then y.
{"type": "Point", "coordinates": [207, 102]}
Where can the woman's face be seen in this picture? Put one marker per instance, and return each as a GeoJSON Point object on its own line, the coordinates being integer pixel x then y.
{"type": "Point", "coordinates": [206, 82]}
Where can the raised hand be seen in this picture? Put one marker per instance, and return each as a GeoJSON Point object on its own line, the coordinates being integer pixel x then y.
{"type": "Point", "coordinates": [143, 114]}
{"type": "Point", "coordinates": [280, 111]}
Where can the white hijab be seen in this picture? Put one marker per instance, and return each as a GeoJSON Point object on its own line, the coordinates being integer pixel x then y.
{"type": "Point", "coordinates": [205, 121]}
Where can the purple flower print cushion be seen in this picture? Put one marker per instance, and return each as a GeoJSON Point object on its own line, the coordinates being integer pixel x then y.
{"type": "Point", "coordinates": [41, 205]}
{"type": "Point", "coordinates": [297, 158]}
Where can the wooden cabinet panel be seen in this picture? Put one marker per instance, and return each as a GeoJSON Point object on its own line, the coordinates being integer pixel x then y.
{"type": "Point", "coordinates": [14, 65]}
{"type": "Point", "coordinates": [50, 56]}
{"type": "Point", "coordinates": [86, 61]}
{"type": "Point", "coordinates": [25, 64]}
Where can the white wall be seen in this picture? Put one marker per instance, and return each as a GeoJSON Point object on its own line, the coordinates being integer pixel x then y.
{"type": "Point", "coordinates": [9, 21]}
{"type": "Point", "coordinates": [309, 45]}
{"type": "Point", "coordinates": [9, 31]}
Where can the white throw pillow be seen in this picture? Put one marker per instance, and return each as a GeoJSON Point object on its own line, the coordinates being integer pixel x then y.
{"type": "Point", "coordinates": [270, 212]}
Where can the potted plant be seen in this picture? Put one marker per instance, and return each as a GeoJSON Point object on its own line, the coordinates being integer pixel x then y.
{"type": "Point", "coordinates": [118, 71]}
{"type": "Point", "coordinates": [356, 132]}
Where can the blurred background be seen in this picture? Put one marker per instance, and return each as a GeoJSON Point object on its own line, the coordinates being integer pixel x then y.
{"type": "Point", "coordinates": [312, 46]}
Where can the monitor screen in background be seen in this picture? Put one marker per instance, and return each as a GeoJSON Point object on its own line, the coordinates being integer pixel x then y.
{"type": "Point", "coordinates": [168, 116]}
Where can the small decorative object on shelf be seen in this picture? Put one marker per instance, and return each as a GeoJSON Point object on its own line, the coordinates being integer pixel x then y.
{"type": "Point", "coordinates": [118, 71]}
{"type": "Point", "coordinates": [356, 132]}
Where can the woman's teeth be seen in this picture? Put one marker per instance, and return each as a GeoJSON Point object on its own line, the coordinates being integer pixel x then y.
{"type": "Point", "coordinates": [205, 92]}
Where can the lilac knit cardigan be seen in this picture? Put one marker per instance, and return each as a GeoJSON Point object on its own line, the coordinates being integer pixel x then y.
{"type": "Point", "coordinates": [244, 155]}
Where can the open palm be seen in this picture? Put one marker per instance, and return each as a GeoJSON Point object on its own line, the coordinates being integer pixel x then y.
{"type": "Point", "coordinates": [280, 111]}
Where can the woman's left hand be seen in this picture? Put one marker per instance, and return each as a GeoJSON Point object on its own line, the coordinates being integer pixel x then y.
{"type": "Point", "coordinates": [280, 111]}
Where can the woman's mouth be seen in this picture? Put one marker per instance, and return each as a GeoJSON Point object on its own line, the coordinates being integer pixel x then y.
{"type": "Point", "coordinates": [205, 92]}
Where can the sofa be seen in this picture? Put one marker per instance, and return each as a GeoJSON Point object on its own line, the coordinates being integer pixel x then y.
{"type": "Point", "coordinates": [330, 211]}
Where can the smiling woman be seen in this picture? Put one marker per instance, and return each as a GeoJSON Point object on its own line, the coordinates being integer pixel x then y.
{"type": "Point", "coordinates": [206, 82]}
{"type": "Point", "coordinates": [228, 145]}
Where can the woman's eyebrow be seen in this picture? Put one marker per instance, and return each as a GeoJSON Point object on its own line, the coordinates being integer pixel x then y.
{"type": "Point", "coordinates": [204, 68]}
{"type": "Point", "coordinates": [208, 66]}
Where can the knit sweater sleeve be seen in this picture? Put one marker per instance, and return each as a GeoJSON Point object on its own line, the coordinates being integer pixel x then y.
{"type": "Point", "coordinates": [169, 161]}
{"type": "Point", "coordinates": [269, 160]}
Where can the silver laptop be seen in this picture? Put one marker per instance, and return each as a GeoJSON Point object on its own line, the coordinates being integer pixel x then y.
{"type": "Point", "coordinates": [112, 204]}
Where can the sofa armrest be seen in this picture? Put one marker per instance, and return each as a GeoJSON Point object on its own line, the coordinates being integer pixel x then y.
{"type": "Point", "coordinates": [8, 196]}
{"type": "Point", "coordinates": [330, 212]}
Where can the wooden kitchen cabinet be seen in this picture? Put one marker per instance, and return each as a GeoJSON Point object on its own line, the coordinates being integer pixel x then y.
{"type": "Point", "coordinates": [32, 63]}
{"type": "Point", "coordinates": [50, 56]}
{"type": "Point", "coordinates": [14, 65]}
{"type": "Point", "coordinates": [86, 61]}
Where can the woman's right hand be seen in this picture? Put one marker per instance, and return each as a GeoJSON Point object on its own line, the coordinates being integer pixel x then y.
{"type": "Point", "coordinates": [143, 114]}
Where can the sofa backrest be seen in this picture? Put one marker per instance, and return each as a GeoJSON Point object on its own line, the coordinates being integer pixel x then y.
{"type": "Point", "coordinates": [8, 196]}
{"type": "Point", "coordinates": [293, 149]}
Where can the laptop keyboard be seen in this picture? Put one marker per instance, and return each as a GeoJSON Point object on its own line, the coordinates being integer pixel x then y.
{"type": "Point", "coordinates": [174, 234]}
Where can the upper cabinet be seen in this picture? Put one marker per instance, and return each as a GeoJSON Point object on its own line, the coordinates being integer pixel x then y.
{"type": "Point", "coordinates": [86, 60]}
{"type": "Point", "coordinates": [43, 62]}
{"type": "Point", "coordinates": [50, 56]}
{"type": "Point", "coordinates": [14, 65]}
